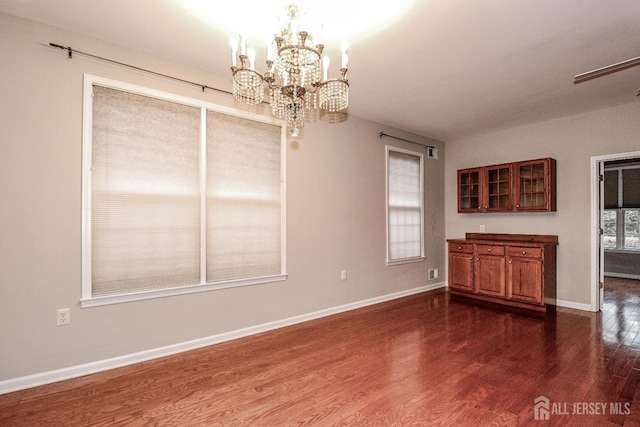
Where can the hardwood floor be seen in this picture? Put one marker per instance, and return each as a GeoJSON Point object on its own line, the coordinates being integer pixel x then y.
{"type": "Point", "coordinates": [422, 360]}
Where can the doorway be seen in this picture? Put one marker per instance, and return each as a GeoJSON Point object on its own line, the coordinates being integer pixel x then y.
{"type": "Point", "coordinates": [597, 223]}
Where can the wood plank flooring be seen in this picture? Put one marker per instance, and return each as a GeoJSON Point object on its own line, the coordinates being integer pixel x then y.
{"type": "Point", "coordinates": [422, 360]}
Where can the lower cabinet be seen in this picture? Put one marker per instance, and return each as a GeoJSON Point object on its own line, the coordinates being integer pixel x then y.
{"type": "Point", "coordinates": [512, 269]}
{"type": "Point", "coordinates": [461, 261]}
{"type": "Point", "coordinates": [525, 274]}
{"type": "Point", "coordinates": [489, 274]}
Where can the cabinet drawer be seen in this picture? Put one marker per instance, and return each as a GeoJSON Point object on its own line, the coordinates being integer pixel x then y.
{"type": "Point", "coordinates": [516, 252]}
{"type": "Point", "coordinates": [465, 248]}
{"type": "Point", "coordinates": [490, 250]}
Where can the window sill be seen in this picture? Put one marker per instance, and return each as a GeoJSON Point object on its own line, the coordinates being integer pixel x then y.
{"type": "Point", "coordinates": [406, 261]}
{"type": "Point", "coordinates": [623, 251]}
{"type": "Point", "coordinates": [161, 293]}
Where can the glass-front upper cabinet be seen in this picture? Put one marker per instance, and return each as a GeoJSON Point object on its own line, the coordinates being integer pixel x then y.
{"type": "Point", "coordinates": [485, 189]}
{"type": "Point", "coordinates": [527, 186]}
{"type": "Point", "coordinates": [469, 190]}
{"type": "Point", "coordinates": [535, 185]}
{"type": "Point", "coordinates": [499, 194]}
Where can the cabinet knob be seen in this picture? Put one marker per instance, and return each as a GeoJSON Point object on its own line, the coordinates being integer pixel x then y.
{"type": "Point", "coordinates": [510, 262]}
{"type": "Point", "coordinates": [459, 247]}
{"type": "Point", "coordinates": [489, 250]}
{"type": "Point", "coordinates": [477, 259]}
{"type": "Point", "coordinates": [517, 206]}
{"type": "Point", "coordinates": [524, 252]}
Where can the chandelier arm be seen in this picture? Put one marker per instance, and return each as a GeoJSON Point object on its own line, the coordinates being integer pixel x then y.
{"type": "Point", "coordinates": [273, 85]}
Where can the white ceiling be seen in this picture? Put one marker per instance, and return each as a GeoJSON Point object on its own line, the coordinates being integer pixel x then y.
{"type": "Point", "coordinates": [447, 69]}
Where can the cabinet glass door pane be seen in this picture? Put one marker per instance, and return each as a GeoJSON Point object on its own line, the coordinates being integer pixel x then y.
{"type": "Point", "coordinates": [532, 186]}
{"type": "Point", "coordinates": [469, 190]}
{"type": "Point", "coordinates": [498, 188]}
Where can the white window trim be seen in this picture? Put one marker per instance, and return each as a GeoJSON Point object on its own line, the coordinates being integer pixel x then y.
{"type": "Point", "coordinates": [87, 300]}
{"type": "Point", "coordinates": [620, 233]}
{"type": "Point", "coordinates": [422, 256]}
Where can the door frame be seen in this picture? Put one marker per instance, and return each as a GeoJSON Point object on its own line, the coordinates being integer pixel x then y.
{"type": "Point", "coordinates": [597, 261]}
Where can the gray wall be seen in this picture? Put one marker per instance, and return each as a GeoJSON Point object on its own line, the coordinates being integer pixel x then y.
{"type": "Point", "coordinates": [335, 216]}
{"type": "Point", "coordinates": [622, 264]}
{"type": "Point", "coordinates": [572, 141]}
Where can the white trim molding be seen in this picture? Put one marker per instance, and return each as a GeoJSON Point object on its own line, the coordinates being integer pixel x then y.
{"type": "Point", "coordinates": [568, 304]}
{"type": "Point", "coordinates": [596, 268]}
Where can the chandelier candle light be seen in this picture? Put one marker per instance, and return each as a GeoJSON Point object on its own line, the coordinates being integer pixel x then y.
{"type": "Point", "coordinates": [297, 75]}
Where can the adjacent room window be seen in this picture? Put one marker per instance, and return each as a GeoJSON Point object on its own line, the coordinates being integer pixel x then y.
{"type": "Point", "coordinates": [405, 206]}
{"type": "Point", "coordinates": [622, 207]}
{"type": "Point", "coordinates": [179, 196]}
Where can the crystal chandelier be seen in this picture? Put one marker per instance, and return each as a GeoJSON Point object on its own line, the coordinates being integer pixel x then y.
{"type": "Point", "coordinates": [296, 76]}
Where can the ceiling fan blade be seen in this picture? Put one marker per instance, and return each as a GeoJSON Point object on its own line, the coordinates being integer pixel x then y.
{"type": "Point", "coordinates": [589, 75]}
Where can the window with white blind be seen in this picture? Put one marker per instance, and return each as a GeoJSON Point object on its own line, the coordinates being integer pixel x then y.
{"type": "Point", "coordinates": [621, 214]}
{"type": "Point", "coordinates": [179, 196]}
{"type": "Point", "coordinates": [405, 206]}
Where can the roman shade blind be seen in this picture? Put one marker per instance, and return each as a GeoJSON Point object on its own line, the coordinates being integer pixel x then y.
{"type": "Point", "coordinates": [179, 196]}
{"type": "Point", "coordinates": [611, 189]}
{"type": "Point", "coordinates": [630, 188]}
{"type": "Point", "coordinates": [243, 198]}
{"type": "Point", "coordinates": [145, 224]}
{"type": "Point", "coordinates": [404, 204]}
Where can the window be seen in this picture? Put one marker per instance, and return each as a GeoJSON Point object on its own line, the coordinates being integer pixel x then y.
{"type": "Point", "coordinates": [621, 215]}
{"type": "Point", "coordinates": [405, 206]}
{"type": "Point", "coordinates": [178, 196]}
{"type": "Point", "coordinates": [610, 229]}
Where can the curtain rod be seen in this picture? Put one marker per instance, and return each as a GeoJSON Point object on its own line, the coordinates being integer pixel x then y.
{"type": "Point", "coordinates": [426, 147]}
{"type": "Point", "coordinates": [71, 51]}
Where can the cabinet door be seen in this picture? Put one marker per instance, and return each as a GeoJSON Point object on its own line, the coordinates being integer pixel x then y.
{"type": "Point", "coordinates": [490, 276]}
{"type": "Point", "coordinates": [461, 271]}
{"type": "Point", "coordinates": [470, 190]}
{"type": "Point", "coordinates": [524, 279]}
{"type": "Point", "coordinates": [498, 188]}
{"type": "Point", "coordinates": [535, 185]}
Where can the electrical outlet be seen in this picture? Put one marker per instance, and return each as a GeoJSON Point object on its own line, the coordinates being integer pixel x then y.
{"type": "Point", "coordinates": [63, 317]}
{"type": "Point", "coordinates": [343, 275]}
{"type": "Point", "coordinates": [482, 228]}
{"type": "Point", "coordinates": [433, 273]}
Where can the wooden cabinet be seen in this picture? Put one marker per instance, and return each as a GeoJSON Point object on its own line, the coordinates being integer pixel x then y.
{"type": "Point", "coordinates": [512, 269]}
{"type": "Point", "coordinates": [498, 188]}
{"type": "Point", "coordinates": [535, 185]}
{"type": "Point", "coordinates": [489, 278]}
{"type": "Point", "coordinates": [461, 259]}
{"type": "Point", "coordinates": [525, 273]}
{"type": "Point", "coordinates": [470, 197]}
{"type": "Point", "coordinates": [519, 186]}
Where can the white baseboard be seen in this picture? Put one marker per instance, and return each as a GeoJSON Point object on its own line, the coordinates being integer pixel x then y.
{"type": "Point", "coordinates": [568, 304]}
{"type": "Point", "coordinates": [21, 383]}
